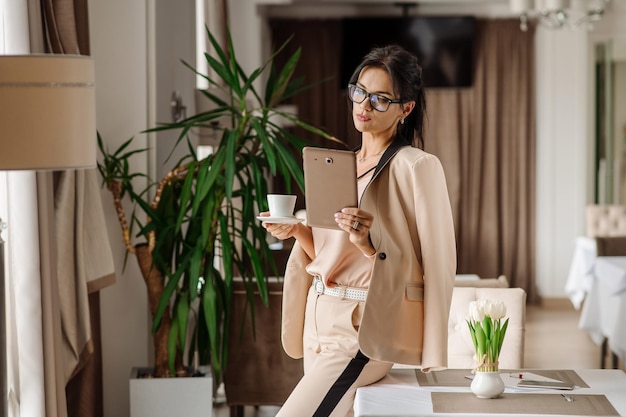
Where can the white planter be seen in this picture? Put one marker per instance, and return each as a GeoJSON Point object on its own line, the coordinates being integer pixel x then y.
{"type": "Point", "coordinates": [166, 397]}
{"type": "Point", "coordinates": [487, 384]}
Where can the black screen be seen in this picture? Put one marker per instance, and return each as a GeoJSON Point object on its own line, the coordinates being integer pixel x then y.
{"type": "Point", "coordinates": [443, 45]}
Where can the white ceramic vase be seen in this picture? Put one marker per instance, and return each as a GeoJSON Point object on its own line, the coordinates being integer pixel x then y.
{"type": "Point", "coordinates": [487, 384]}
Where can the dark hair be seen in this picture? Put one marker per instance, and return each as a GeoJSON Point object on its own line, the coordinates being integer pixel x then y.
{"type": "Point", "coordinates": [406, 79]}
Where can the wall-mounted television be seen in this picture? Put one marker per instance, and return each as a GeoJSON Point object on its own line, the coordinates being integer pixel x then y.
{"type": "Point", "coordinates": [444, 45]}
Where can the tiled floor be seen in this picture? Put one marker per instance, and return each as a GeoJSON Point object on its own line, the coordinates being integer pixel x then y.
{"type": "Point", "coordinates": [552, 340]}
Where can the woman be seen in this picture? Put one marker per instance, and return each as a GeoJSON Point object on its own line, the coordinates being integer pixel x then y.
{"type": "Point", "coordinates": [378, 291]}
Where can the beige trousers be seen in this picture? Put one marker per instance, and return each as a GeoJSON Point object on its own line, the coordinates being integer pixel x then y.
{"type": "Point", "coordinates": [333, 365]}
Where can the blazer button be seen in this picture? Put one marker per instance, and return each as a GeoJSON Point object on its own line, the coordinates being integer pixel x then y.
{"type": "Point", "coordinates": [382, 255]}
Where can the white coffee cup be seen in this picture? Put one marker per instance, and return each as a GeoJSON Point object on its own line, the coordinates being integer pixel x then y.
{"type": "Point", "coordinates": [281, 205]}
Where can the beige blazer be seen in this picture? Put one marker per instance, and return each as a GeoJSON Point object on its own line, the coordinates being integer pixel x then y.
{"type": "Point", "coordinates": [405, 317]}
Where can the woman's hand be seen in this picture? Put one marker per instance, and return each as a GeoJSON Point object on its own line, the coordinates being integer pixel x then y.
{"type": "Point", "coordinates": [299, 231]}
{"type": "Point", "coordinates": [279, 231]}
{"type": "Point", "coordinates": [357, 223]}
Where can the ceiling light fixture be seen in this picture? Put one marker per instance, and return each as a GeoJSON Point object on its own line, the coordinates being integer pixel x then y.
{"type": "Point", "coordinates": [558, 14]}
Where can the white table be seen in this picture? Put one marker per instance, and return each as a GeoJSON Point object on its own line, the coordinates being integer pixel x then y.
{"type": "Point", "coordinates": [580, 272]}
{"type": "Point", "coordinates": [611, 270]}
{"type": "Point", "coordinates": [399, 395]}
{"type": "Point", "coordinates": [604, 311]}
{"type": "Point", "coordinates": [599, 281]}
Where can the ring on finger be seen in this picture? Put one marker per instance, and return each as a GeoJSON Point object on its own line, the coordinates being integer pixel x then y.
{"type": "Point", "coordinates": [355, 225]}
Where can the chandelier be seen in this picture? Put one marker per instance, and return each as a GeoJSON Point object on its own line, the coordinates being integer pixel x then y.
{"type": "Point", "coordinates": [557, 14]}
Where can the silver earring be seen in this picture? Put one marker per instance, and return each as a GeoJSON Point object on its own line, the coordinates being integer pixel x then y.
{"type": "Point", "coordinates": [402, 121]}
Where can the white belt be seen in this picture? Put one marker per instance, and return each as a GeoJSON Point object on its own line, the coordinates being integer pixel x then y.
{"type": "Point", "coordinates": [340, 291]}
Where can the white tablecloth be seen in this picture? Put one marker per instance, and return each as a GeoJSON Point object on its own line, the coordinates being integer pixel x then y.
{"type": "Point", "coordinates": [599, 281]}
{"type": "Point", "coordinates": [580, 273]}
{"type": "Point", "coordinates": [611, 270]}
{"type": "Point", "coordinates": [604, 311]}
{"type": "Point", "coordinates": [399, 395]}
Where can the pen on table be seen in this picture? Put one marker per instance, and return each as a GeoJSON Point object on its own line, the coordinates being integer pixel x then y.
{"type": "Point", "coordinates": [518, 376]}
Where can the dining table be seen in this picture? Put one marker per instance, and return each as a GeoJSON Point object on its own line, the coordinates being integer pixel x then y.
{"type": "Point", "coordinates": [413, 393]}
{"type": "Point", "coordinates": [580, 275]}
{"type": "Point", "coordinates": [603, 312]}
{"type": "Point", "coordinates": [596, 285]}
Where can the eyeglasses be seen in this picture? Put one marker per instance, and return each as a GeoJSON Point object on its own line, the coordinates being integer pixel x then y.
{"type": "Point", "coordinates": [378, 102]}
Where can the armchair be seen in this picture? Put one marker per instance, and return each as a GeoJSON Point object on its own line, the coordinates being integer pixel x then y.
{"type": "Point", "coordinates": [611, 245]}
{"type": "Point", "coordinates": [460, 346]}
{"type": "Point", "coordinates": [605, 220]}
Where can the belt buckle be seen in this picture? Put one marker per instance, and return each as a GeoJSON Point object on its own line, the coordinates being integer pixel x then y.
{"type": "Point", "coordinates": [318, 285]}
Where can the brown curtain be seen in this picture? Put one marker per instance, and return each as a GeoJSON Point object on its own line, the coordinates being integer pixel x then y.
{"type": "Point", "coordinates": [484, 136]}
{"type": "Point", "coordinates": [324, 104]}
{"type": "Point", "coordinates": [66, 31]}
{"type": "Point", "coordinates": [66, 26]}
{"type": "Point", "coordinates": [51, 320]}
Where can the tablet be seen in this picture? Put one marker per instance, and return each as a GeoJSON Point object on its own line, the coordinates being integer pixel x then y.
{"type": "Point", "coordinates": [329, 184]}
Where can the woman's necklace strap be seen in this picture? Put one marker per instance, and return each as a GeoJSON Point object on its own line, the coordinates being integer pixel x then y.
{"type": "Point", "coordinates": [366, 172]}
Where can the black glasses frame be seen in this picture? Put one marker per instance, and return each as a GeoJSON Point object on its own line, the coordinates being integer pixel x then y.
{"type": "Point", "coordinates": [374, 98]}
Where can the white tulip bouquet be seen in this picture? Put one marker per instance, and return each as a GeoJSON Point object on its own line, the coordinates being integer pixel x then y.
{"type": "Point", "coordinates": [487, 330]}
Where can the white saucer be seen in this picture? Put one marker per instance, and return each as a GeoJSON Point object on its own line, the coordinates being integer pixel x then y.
{"type": "Point", "coordinates": [279, 220]}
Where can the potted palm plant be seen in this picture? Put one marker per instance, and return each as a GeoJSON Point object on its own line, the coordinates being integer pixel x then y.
{"type": "Point", "coordinates": [199, 230]}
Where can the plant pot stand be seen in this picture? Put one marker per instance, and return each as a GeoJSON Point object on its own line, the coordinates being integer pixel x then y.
{"type": "Point", "coordinates": [166, 397]}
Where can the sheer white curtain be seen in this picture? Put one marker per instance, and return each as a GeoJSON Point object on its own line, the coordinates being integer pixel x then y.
{"type": "Point", "coordinates": [20, 207]}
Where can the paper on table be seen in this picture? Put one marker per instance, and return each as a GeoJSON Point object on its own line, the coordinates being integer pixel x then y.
{"type": "Point", "coordinates": [513, 378]}
{"type": "Point", "coordinates": [516, 376]}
